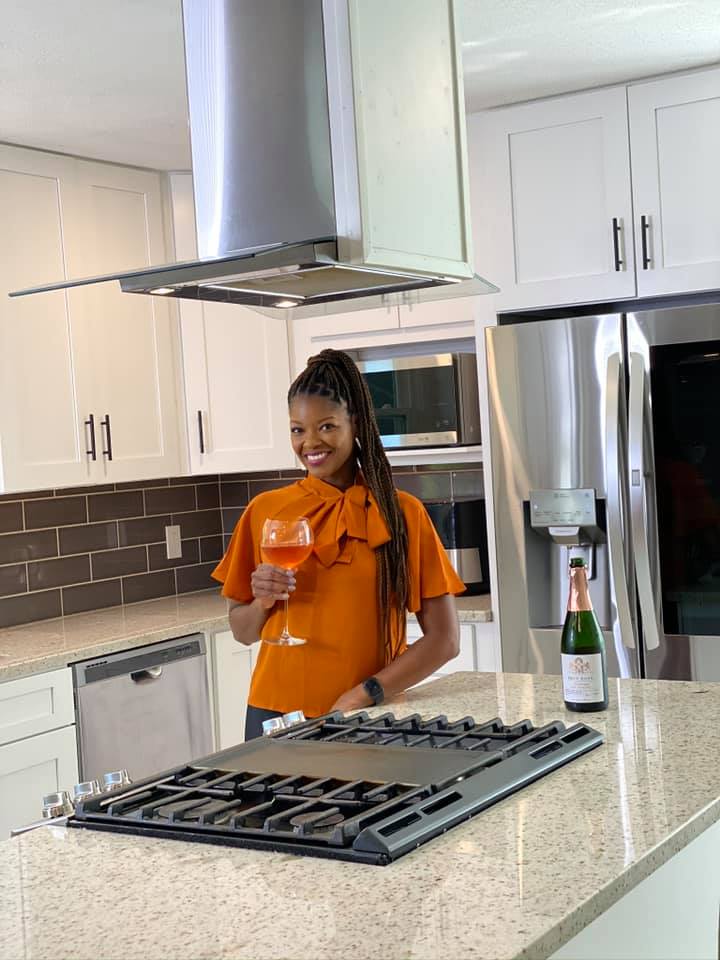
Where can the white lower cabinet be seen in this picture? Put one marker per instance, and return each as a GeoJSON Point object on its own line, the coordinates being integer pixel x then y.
{"type": "Point", "coordinates": [32, 768]}
{"type": "Point", "coordinates": [467, 658]}
{"type": "Point", "coordinates": [233, 665]}
{"type": "Point", "coordinates": [38, 748]}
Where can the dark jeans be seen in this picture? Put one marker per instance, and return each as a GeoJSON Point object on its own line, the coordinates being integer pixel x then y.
{"type": "Point", "coordinates": [254, 721]}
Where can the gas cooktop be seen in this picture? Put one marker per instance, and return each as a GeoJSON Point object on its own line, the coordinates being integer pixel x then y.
{"type": "Point", "coordinates": [351, 788]}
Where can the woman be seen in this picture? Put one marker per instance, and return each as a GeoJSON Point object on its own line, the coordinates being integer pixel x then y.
{"type": "Point", "coordinates": [376, 555]}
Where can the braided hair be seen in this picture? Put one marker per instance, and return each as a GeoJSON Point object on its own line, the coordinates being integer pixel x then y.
{"type": "Point", "coordinates": [333, 374]}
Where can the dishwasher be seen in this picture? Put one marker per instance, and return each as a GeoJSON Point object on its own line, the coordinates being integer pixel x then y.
{"type": "Point", "coordinates": [143, 710]}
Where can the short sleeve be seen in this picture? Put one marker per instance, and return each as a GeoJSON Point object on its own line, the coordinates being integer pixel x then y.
{"type": "Point", "coordinates": [236, 567]}
{"type": "Point", "coordinates": [431, 573]}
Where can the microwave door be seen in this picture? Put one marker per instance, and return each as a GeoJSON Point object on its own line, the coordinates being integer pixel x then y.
{"type": "Point", "coordinates": [674, 484]}
{"type": "Point", "coordinates": [414, 400]}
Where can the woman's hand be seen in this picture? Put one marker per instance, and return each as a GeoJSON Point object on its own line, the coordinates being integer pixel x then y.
{"type": "Point", "coordinates": [352, 700]}
{"type": "Point", "coordinates": [270, 584]}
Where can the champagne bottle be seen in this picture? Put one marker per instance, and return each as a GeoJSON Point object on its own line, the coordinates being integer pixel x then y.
{"type": "Point", "coordinates": [584, 669]}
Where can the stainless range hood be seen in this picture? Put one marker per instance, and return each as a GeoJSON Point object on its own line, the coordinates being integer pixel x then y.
{"type": "Point", "coordinates": [328, 149]}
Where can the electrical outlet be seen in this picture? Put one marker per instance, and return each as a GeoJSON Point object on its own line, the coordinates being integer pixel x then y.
{"type": "Point", "coordinates": [172, 542]}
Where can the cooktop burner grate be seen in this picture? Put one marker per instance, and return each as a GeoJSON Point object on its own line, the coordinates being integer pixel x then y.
{"type": "Point", "coordinates": [237, 797]}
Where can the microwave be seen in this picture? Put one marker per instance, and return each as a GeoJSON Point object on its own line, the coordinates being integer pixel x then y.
{"type": "Point", "coordinates": [427, 401]}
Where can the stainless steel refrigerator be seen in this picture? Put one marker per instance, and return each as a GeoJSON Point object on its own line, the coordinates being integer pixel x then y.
{"type": "Point", "coordinates": [605, 435]}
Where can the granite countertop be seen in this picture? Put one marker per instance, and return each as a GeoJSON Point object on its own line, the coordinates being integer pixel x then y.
{"type": "Point", "coordinates": [49, 644]}
{"type": "Point", "coordinates": [519, 880]}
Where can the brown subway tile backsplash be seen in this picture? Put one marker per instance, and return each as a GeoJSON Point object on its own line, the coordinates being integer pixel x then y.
{"type": "Point", "coordinates": [159, 558]}
{"type": "Point", "coordinates": [111, 538]}
{"type": "Point", "coordinates": [16, 547]}
{"type": "Point", "coordinates": [211, 548]}
{"type": "Point", "coordinates": [13, 579]}
{"type": "Point", "coordinates": [148, 586]}
{"type": "Point", "coordinates": [260, 486]}
{"type": "Point", "coordinates": [234, 494]}
{"type": "Point", "coordinates": [54, 512]}
{"type": "Point", "coordinates": [28, 607]}
{"type": "Point", "coordinates": [58, 573]}
{"type": "Point", "coordinates": [208, 496]}
{"type": "Point", "coordinates": [195, 578]}
{"type": "Point", "coordinates": [115, 506]}
{"type": "Point", "coordinates": [11, 517]}
{"type": "Point", "coordinates": [91, 596]}
{"type": "Point", "coordinates": [202, 523]}
{"type": "Point", "coordinates": [170, 500]}
{"type": "Point", "coordinates": [230, 517]}
{"type": "Point", "coordinates": [142, 530]}
{"type": "Point", "coordinates": [119, 563]}
{"type": "Point", "coordinates": [87, 537]}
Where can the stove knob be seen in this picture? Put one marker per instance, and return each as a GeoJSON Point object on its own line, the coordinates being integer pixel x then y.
{"type": "Point", "coordinates": [86, 789]}
{"type": "Point", "coordinates": [295, 716]}
{"type": "Point", "coordinates": [57, 805]}
{"type": "Point", "coordinates": [273, 725]}
{"type": "Point", "coordinates": [118, 778]}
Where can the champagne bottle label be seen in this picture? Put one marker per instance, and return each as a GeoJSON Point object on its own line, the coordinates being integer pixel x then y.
{"type": "Point", "coordinates": [582, 675]}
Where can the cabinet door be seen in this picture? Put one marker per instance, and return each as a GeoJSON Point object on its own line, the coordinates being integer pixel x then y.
{"type": "Point", "coordinates": [675, 137]}
{"type": "Point", "coordinates": [237, 372]}
{"type": "Point", "coordinates": [342, 331]}
{"type": "Point", "coordinates": [32, 768]}
{"type": "Point", "coordinates": [44, 383]}
{"type": "Point", "coordinates": [131, 338]}
{"type": "Point", "coordinates": [233, 665]}
{"type": "Point", "coordinates": [432, 313]}
{"type": "Point", "coordinates": [550, 180]}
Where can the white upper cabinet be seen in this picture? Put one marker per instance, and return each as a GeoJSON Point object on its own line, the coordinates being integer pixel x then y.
{"type": "Point", "coordinates": [551, 200]}
{"type": "Point", "coordinates": [70, 360]}
{"type": "Point", "coordinates": [45, 393]}
{"type": "Point", "coordinates": [131, 339]}
{"type": "Point", "coordinates": [340, 331]}
{"type": "Point", "coordinates": [236, 368]}
{"type": "Point", "coordinates": [440, 313]}
{"type": "Point", "coordinates": [675, 138]}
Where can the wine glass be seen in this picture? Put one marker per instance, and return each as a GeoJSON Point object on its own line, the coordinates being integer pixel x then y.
{"type": "Point", "coordinates": [286, 544]}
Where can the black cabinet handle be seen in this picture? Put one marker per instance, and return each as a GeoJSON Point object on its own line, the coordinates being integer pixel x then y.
{"type": "Point", "coordinates": [90, 422]}
{"type": "Point", "coordinates": [105, 422]}
{"type": "Point", "coordinates": [201, 432]}
{"type": "Point", "coordinates": [644, 228]}
{"type": "Point", "coordinates": [617, 230]}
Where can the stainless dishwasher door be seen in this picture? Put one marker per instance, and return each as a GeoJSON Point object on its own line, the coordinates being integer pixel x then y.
{"type": "Point", "coordinates": [144, 710]}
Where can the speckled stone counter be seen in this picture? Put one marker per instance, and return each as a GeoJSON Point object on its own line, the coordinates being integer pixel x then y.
{"type": "Point", "coordinates": [49, 644]}
{"type": "Point", "coordinates": [519, 880]}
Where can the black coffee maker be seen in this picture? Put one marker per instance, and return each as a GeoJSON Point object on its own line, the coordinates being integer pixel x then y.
{"type": "Point", "coordinates": [462, 528]}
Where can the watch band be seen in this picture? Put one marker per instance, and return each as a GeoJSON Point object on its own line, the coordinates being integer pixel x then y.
{"type": "Point", "coordinates": [373, 688]}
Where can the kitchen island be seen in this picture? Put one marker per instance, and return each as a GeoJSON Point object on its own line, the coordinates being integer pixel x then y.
{"type": "Point", "coordinates": [519, 880]}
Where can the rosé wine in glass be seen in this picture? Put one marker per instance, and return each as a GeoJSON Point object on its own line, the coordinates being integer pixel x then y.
{"type": "Point", "coordinates": [286, 544]}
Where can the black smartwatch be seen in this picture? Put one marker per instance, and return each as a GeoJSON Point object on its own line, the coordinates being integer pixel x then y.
{"type": "Point", "coordinates": [373, 688]}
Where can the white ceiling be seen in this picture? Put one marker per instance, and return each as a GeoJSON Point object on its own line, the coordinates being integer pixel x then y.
{"type": "Point", "coordinates": [105, 78]}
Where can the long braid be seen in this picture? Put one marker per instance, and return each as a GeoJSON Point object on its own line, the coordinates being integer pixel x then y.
{"type": "Point", "coordinates": [333, 374]}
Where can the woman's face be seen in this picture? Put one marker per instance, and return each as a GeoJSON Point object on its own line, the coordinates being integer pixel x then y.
{"type": "Point", "coordinates": [323, 438]}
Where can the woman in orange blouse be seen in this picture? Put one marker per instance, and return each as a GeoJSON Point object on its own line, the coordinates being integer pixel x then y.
{"type": "Point", "coordinates": [376, 555]}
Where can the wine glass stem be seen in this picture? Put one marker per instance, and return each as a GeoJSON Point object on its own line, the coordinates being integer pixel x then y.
{"type": "Point", "coordinates": [285, 632]}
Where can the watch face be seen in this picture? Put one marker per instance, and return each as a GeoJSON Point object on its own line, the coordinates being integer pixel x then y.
{"type": "Point", "coordinates": [374, 690]}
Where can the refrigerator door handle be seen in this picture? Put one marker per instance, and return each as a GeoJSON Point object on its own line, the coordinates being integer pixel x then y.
{"type": "Point", "coordinates": [614, 478]}
{"type": "Point", "coordinates": [639, 514]}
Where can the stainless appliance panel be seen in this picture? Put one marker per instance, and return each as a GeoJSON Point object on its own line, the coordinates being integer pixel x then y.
{"type": "Point", "coordinates": [425, 401]}
{"type": "Point", "coordinates": [260, 143]}
{"type": "Point", "coordinates": [143, 710]}
{"type": "Point", "coordinates": [675, 479]}
{"type": "Point", "coordinates": [557, 400]}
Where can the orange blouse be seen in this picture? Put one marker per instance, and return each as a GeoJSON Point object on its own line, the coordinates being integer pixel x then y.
{"type": "Point", "coordinates": [334, 605]}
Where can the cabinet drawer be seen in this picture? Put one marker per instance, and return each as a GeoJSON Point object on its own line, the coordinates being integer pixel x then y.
{"type": "Point", "coordinates": [36, 704]}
